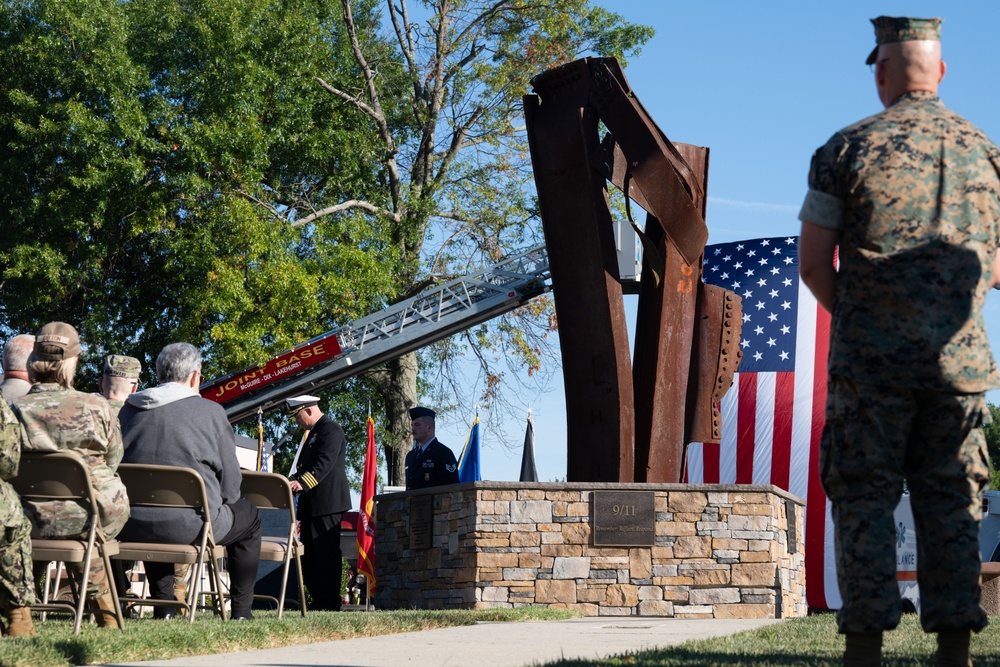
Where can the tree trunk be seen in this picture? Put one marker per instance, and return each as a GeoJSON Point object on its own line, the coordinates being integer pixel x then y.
{"type": "Point", "coordinates": [400, 394]}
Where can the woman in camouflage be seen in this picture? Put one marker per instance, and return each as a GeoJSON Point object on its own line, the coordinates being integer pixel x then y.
{"type": "Point", "coordinates": [57, 417]}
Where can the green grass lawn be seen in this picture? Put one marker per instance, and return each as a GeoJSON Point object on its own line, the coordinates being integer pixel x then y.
{"type": "Point", "coordinates": [148, 639]}
{"type": "Point", "coordinates": [809, 641]}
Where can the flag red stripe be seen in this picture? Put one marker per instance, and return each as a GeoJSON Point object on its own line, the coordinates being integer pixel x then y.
{"type": "Point", "coordinates": [781, 448]}
{"type": "Point", "coordinates": [710, 458]}
{"type": "Point", "coordinates": [746, 427]}
{"type": "Point", "coordinates": [816, 511]}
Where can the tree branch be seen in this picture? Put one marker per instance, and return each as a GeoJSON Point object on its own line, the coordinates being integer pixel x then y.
{"type": "Point", "coordinates": [345, 206]}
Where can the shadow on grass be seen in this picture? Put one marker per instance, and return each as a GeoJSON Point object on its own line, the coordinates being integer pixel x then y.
{"type": "Point", "coordinates": [678, 657]}
{"type": "Point", "coordinates": [75, 651]}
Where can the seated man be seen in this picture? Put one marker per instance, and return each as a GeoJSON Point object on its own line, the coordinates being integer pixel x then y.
{"type": "Point", "coordinates": [170, 424]}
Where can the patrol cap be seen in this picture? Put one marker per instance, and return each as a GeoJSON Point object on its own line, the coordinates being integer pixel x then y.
{"type": "Point", "coordinates": [120, 366]}
{"type": "Point", "coordinates": [57, 341]}
{"type": "Point", "coordinates": [297, 404]}
{"type": "Point", "coordinates": [890, 29]}
{"type": "Point", "coordinates": [417, 412]}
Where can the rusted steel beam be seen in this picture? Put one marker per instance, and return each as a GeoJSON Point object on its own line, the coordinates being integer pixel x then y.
{"type": "Point", "coordinates": [687, 332]}
{"type": "Point", "coordinates": [593, 335]}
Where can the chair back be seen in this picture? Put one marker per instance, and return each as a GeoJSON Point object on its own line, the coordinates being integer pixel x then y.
{"type": "Point", "coordinates": [150, 485]}
{"type": "Point", "coordinates": [61, 475]}
{"type": "Point", "coordinates": [268, 490]}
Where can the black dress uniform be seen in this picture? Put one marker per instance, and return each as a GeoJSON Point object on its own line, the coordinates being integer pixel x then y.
{"type": "Point", "coordinates": [434, 465]}
{"type": "Point", "coordinates": [325, 497]}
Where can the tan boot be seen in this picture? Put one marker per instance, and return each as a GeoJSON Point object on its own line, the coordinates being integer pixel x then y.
{"type": "Point", "coordinates": [180, 594]}
{"type": "Point", "coordinates": [104, 611]}
{"type": "Point", "coordinates": [864, 649]}
{"type": "Point", "coordinates": [19, 623]}
{"type": "Point", "coordinates": [953, 649]}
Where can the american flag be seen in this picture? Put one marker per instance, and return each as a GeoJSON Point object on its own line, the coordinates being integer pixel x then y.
{"type": "Point", "coordinates": [772, 416]}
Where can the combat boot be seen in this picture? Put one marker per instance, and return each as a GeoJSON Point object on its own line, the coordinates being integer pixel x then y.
{"type": "Point", "coordinates": [953, 649]}
{"type": "Point", "coordinates": [180, 594]}
{"type": "Point", "coordinates": [19, 623]}
{"type": "Point", "coordinates": [864, 649]}
{"type": "Point", "coordinates": [104, 611]}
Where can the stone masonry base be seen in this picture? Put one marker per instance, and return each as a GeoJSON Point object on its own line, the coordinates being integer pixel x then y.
{"type": "Point", "coordinates": [720, 551]}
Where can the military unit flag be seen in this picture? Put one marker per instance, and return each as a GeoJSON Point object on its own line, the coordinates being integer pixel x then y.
{"type": "Point", "coordinates": [366, 517]}
{"type": "Point", "coordinates": [528, 471]}
{"type": "Point", "coordinates": [468, 463]}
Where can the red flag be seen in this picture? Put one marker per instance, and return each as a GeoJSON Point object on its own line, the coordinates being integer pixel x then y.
{"type": "Point", "coordinates": [773, 415]}
{"type": "Point", "coordinates": [366, 517]}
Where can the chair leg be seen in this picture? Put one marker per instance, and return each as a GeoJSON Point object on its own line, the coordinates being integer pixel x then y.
{"type": "Point", "coordinates": [285, 571]}
{"type": "Point", "coordinates": [302, 584]}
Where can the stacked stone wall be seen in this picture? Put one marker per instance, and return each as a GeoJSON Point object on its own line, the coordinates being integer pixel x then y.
{"type": "Point", "coordinates": [720, 551]}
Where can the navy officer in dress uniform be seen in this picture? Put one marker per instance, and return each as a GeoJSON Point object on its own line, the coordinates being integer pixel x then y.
{"type": "Point", "coordinates": [429, 463]}
{"type": "Point", "coordinates": [320, 481]}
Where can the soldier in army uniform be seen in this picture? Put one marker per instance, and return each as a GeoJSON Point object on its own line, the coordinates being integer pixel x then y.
{"type": "Point", "coordinates": [912, 198]}
{"type": "Point", "coordinates": [16, 581]}
{"type": "Point", "coordinates": [119, 379]}
{"type": "Point", "coordinates": [57, 417]}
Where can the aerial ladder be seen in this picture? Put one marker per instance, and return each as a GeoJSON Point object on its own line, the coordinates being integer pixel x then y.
{"type": "Point", "coordinates": [353, 348]}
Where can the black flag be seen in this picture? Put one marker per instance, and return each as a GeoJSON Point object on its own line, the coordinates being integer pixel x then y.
{"type": "Point", "coordinates": [528, 471]}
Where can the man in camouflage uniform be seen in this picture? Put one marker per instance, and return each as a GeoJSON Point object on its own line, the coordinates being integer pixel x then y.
{"type": "Point", "coordinates": [119, 379]}
{"type": "Point", "coordinates": [912, 198]}
{"type": "Point", "coordinates": [57, 417]}
{"type": "Point", "coordinates": [16, 581]}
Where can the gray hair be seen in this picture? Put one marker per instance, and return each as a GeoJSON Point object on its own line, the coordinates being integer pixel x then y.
{"type": "Point", "coordinates": [16, 352]}
{"type": "Point", "coordinates": [59, 371]}
{"type": "Point", "coordinates": [176, 362]}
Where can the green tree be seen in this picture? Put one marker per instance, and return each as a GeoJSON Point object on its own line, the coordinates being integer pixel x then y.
{"type": "Point", "coordinates": [457, 185]}
{"type": "Point", "coordinates": [152, 152]}
{"type": "Point", "coordinates": [993, 444]}
{"type": "Point", "coordinates": [245, 174]}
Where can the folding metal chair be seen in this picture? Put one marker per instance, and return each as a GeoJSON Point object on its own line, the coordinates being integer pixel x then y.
{"type": "Point", "coordinates": [269, 491]}
{"type": "Point", "coordinates": [65, 476]}
{"type": "Point", "coordinates": [181, 488]}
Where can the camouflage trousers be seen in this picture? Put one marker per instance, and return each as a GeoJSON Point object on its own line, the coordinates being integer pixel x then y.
{"type": "Point", "coordinates": [875, 437]}
{"type": "Point", "coordinates": [17, 586]}
{"type": "Point", "coordinates": [97, 581]}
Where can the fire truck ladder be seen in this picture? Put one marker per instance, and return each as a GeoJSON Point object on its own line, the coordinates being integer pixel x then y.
{"type": "Point", "coordinates": [429, 316]}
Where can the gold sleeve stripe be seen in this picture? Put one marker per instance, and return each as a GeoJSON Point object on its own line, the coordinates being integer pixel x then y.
{"type": "Point", "coordinates": [309, 480]}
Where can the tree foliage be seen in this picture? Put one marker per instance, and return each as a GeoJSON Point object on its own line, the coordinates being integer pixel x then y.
{"type": "Point", "coordinates": [992, 432]}
{"type": "Point", "coordinates": [245, 174]}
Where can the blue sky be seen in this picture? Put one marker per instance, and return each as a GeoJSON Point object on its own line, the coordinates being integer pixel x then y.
{"type": "Point", "coordinates": [763, 84]}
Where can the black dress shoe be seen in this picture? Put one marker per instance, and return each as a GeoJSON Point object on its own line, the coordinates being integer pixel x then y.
{"type": "Point", "coordinates": [164, 615]}
{"type": "Point", "coordinates": [243, 617]}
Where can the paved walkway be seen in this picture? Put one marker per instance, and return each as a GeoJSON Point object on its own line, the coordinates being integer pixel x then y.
{"type": "Point", "coordinates": [483, 644]}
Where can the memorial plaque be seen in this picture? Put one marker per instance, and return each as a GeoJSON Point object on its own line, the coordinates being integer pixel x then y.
{"type": "Point", "coordinates": [624, 518]}
{"type": "Point", "coordinates": [421, 521]}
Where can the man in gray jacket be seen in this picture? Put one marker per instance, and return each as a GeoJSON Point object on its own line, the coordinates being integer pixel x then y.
{"type": "Point", "coordinates": [171, 424]}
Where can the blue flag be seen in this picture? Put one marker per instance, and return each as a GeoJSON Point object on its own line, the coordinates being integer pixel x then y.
{"type": "Point", "coordinates": [468, 463]}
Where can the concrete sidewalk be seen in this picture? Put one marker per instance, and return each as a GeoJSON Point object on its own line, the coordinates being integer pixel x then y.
{"type": "Point", "coordinates": [483, 644]}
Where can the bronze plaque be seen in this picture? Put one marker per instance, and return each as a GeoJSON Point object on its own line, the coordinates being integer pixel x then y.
{"type": "Point", "coordinates": [421, 521]}
{"type": "Point", "coordinates": [624, 518]}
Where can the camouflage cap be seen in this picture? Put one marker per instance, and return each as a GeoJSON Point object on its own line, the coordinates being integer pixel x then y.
{"type": "Point", "coordinates": [890, 29]}
{"type": "Point", "coordinates": [119, 366]}
{"type": "Point", "coordinates": [57, 341]}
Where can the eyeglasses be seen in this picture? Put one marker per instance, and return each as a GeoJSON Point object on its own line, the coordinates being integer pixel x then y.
{"type": "Point", "coordinates": [877, 63]}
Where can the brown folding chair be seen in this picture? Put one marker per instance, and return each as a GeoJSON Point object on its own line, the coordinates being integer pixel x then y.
{"type": "Point", "coordinates": [65, 476]}
{"type": "Point", "coordinates": [269, 491]}
{"type": "Point", "coordinates": [151, 485]}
